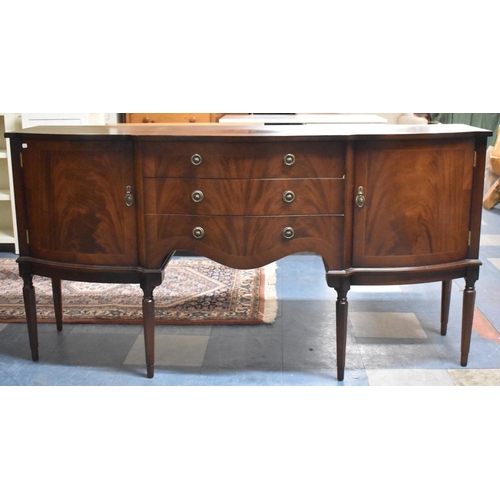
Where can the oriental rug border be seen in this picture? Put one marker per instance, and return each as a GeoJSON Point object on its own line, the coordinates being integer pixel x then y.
{"type": "Point", "coordinates": [195, 290]}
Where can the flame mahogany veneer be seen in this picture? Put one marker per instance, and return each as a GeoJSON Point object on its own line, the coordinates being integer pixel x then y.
{"type": "Point", "coordinates": [380, 204]}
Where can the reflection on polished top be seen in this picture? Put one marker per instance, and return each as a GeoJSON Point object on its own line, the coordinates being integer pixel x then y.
{"type": "Point", "coordinates": [330, 131]}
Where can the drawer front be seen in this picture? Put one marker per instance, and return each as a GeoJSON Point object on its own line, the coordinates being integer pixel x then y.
{"type": "Point", "coordinates": [243, 160]}
{"type": "Point", "coordinates": [244, 242]}
{"type": "Point", "coordinates": [244, 197]}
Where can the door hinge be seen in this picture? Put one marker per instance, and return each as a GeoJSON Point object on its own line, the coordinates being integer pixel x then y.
{"type": "Point", "coordinates": [475, 159]}
{"type": "Point", "coordinates": [470, 234]}
{"type": "Point", "coordinates": [27, 237]}
{"type": "Point", "coordinates": [24, 146]}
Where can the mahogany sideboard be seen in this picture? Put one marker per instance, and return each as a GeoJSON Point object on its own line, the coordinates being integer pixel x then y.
{"type": "Point", "coordinates": [380, 204]}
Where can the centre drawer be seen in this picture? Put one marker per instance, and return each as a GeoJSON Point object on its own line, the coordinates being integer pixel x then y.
{"type": "Point", "coordinates": [244, 242]}
{"type": "Point", "coordinates": [243, 159]}
{"type": "Point", "coordinates": [244, 197]}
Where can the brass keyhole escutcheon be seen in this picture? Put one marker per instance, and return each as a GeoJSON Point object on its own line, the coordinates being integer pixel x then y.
{"type": "Point", "coordinates": [288, 233]}
{"type": "Point", "coordinates": [129, 197]}
{"type": "Point", "coordinates": [197, 196]}
{"type": "Point", "coordinates": [360, 197]}
{"type": "Point", "coordinates": [196, 160]}
{"type": "Point", "coordinates": [289, 160]}
{"type": "Point", "coordinates": [288, 196]}
{"type": "Point", "coordinates": [198, 233]}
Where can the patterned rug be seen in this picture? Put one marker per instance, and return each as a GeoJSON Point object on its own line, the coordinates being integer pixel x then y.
{"type": "Point", "coordinates": [195, 290]}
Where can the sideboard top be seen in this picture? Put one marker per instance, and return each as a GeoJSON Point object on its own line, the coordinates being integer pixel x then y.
{"type": "Point", "coordinates": [243, 132]}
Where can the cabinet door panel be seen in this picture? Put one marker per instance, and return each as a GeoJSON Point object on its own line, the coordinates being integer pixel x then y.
{"type": "Point", "coordinates": [75, 195]}
{"type": "Point", "coordinates": [417, 203]}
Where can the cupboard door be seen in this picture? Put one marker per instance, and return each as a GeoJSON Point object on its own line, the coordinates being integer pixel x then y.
{"type": "Point", "coordinates": [75, 197]}
{"type": "Point", "coordinates": [417, 200]}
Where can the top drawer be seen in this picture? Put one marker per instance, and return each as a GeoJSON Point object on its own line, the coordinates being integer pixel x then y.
{"type": "Point", "coordinates": [243, 160]}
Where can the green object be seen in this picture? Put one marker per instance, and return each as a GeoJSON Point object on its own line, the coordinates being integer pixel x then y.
{"type": "Point", "coordinates": [489, 121]}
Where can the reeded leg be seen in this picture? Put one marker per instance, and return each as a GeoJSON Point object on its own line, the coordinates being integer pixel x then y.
{"type": "Point", "coordinates": [148, 312]}
{"type": "Point", "coordinates": [445, 305]}
{"type": "Point", "coordinates": [57, 297]}
{"type": "Point", "coordinates": [30, 309]}
{"type": "Point", "coordinates": [341, 320]}
{"type": "Point", "coordinates": [467, 318]}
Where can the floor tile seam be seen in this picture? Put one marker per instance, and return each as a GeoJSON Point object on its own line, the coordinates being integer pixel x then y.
{"type": "Point", "coordinates": [7, 374]}
{"type": "Point", "coordinates": [280, 322]}
{"type": "Point", "coordinates": [419, 370]}
{"type": "Point", "coordinates": [282, 328]}
{"type": "Point", "coordinates": [16, 364]}
{"type": "Point", "coordinates": [432, 357]}
{"type": "Point", "coordinates": [230, 373]}
{"type": "Point", "coordinates": [354, 340]}
{"type": "Point", "coordinates": [206, 332]}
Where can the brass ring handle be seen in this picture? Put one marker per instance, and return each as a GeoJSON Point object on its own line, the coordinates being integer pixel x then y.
{"type": "Point", "coordinates": [288, 233]}
{"type": "Point", "coordinates": [196, 160]}
{"type": "Point", "coordinates": [129, 197]}
{"type": "Point", "coordinates": [288, 196]}
{"type": "Point", "coordinates": [197, 196]}
{"type": "Point", "coordinates": [289, 160]}
{"type": "Point", "coordinates": [198, 233]}
{"type": "Point", "coordinates": [360, 197]}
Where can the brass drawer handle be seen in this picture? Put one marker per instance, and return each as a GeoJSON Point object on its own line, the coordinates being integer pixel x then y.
{"type": "Point", "coordinates": [288, 196]}
{"type": "Point", "coordinates": [289, 160]}
{"type": "Point", "coordinates": [129, 197]}
{"type": "Point", "coordinates": [198, 233]}
{"type": "Point", "coordinates": [197, 196]}
{"type": "Point", "coordinates": [360, 197]}
{"type": "Point", "coordinates": [196, 160]}
{"type": "Point", "coordinates": [288, 233]}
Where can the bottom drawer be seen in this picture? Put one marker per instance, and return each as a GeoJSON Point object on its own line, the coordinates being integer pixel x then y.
{"type": "Point", "coordinates": [244, 242]}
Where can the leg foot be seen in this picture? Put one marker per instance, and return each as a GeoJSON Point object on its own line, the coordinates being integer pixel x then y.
{"type": "Point", "coordinates": [30, 310]}
{"type": "Point", "coordinates": [148, 312]}
{"type": "Point", "coordinates": [467, 316]}
{"type": "Point", "coordinates": [464, 359]}
{"type": "Point", "coordinates": [148, 308]}
{"type": "Point", "coordinates": [57, 297]}
{"type": "Point", "coordinates": [445, 305]}
{"type": "Point", "coordinates": [341, 320]}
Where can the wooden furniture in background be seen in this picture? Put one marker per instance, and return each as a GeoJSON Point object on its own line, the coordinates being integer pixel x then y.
{"type": "Point", "coordinates": [380, 204]}
{"type": "Point", "coordinates": [172, 117]}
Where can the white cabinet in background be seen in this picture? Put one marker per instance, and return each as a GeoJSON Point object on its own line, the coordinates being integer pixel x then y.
{"type": "Point", "coordinates": [35, 119]}
{"type": "Point", "coordinates": [8, 227]}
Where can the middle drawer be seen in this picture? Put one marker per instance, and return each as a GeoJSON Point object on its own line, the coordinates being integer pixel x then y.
{"type": "Point", "coordinates": [244, 197]}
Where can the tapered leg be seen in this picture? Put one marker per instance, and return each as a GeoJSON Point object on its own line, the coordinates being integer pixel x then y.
{"type": "Point", "coordinates": [341, 320]}
{"type": "Point", "coordinates": [30, 309]}
{"type": "Point", "coordinates": [57, 297]}
{"type": "Point", "coordinates": [148, 314]}
{"type": "Point", "coordinates": [445, 305]}
{"type": "Point", "coordinates": [467, 317]}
